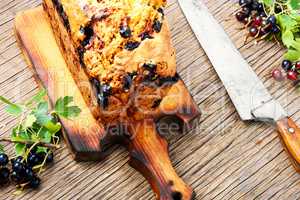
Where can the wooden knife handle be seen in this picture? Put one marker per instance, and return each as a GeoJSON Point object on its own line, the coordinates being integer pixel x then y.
{"type": "Point", "coordinates": [149, 155]}
{"type": "Point", "coordinates": [290, 136]}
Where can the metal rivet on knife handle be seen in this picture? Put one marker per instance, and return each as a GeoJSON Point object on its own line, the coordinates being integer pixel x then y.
{"type": "Point", "coordinates": [291, 130]}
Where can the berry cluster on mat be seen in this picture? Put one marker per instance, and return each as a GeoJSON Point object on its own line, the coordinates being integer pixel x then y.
{"type": "Point", "coordinates": [291, 70]}
{"type": "Point", "coordinates": [22, 171]}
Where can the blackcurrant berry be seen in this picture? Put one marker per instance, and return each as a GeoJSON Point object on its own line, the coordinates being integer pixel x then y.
{"type": "Point", "coordinates": [240, 16]}
{"type": "Point", "coordinates": [245, 2]}
{"type": "Point", "coordinates": [96, 83]}
{"type": "Point", "coordinates": [246, 11]}
{"type": "Point", "coordinates": [3, 159]}
{"type": "Point", "coordinates": [275, 29]}
{"type": "Point", "coordinates": [262, 14]}
{"type": "Point", "coordinates": [127, 82]}
{"type": "Point", "coordinates": [157, 26]}
{"type": "Point", "coordinates": [29, 174]}
{"type": "Point", "coordinates": [253, 31]}
{"type": "Point", "coordinates": [292, 75]}
{"type": "Point", "coordinates": [17, 159]}
{"type": "Point", "coordinates": [263, 32]}
{"type": "Point", "coordinates": [35, 182]}
{"type": "Point", "coordinates": [257, 21]}
{"type": "Point", "coordinates": [50, 158]}
{"type": "Point", "coordinates": [146, 35]}
{"type": "Point", "coordinates": [277, 75]}
{"type": "Point", "coordinates": [4, 175]}
{"type": "Point", "coordinates": [125, 31]}
{"type": "Point", "coordinates": [133, 74]}
{"type": "Point", "coordinates": [264, 23]}
{"type": "Point", "coordinates": [160, 10]}
{"type": "Point", "coordinates": [103, 101]}
{"type": "Point", "coordinates": [254, 5]}
{"type": "Point", "coordinates": [16, 177]}
{"type": "Point", "coordinates": [260, 7]}
{"type": "Point", "coordinates": [18, 167]}
{"type": "Point", "coordinates": [286, 65]}
{"type": "Point", "coordinates": [105, 90]}
{"type": "Point", "coordinates": [272, 20]}
{"type": "Point", "coordinates": [297, 65]}
{"type": "Point", "coordinates": [131, 45]}
{"type": "Point", "coordinates": [150, 67]}
{"type": "Point", "coordinates": [245, 21]}
{"type": "Point", "coordinates": [33, 159]}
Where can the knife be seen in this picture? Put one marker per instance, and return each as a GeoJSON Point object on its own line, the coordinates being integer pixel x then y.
{"type": "Point", "coordinates": [248, 94]}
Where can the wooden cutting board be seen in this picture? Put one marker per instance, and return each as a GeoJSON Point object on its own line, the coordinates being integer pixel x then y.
{"type": "Point", "coordinates": [86, 137]}
{"type": "Point", "coordinates": [223, 158]}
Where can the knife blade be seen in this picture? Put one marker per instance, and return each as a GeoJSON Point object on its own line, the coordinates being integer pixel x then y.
{"type": "Point", "coordinates": [247, 92]}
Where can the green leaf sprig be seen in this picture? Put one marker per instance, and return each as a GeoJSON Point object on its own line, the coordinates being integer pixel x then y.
{"type": "Point", "coordinates": [38, 127]}
{"type": "Point", "coordinates": [287, 13]}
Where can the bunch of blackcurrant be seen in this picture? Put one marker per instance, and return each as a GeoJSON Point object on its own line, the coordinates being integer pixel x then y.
{"type": "Point", "coordinates": [21, 170]}
{"type": "Point", "coordinates": [253, 15]}
{"type": "Point", "coordinates": [292, 71]}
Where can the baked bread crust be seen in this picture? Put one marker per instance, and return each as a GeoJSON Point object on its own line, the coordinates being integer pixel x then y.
{"type": "Point", "coordinates": [130, 81]}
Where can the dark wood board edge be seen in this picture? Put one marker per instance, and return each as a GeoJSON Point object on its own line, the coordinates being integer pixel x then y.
{"type": "Point", "coordinates": [84, 143]}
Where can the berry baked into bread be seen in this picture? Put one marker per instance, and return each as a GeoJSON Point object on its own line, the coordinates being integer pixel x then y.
{"type": "Point", "coordinates": [119, 52]}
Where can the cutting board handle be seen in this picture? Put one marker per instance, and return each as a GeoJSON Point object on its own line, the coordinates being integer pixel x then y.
{"type": "Point", "coordinates": [290, 136]}
{"type": "Point", "coordinates": [149, 155]}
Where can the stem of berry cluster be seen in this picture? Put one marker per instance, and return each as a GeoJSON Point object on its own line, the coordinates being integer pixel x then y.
{"type": "Point", "coordinates": [40, 143]}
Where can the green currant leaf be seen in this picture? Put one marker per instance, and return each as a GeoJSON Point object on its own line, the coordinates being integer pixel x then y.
{"type": "Point", "coordinates": [296, 17]}
{"type": "Point", "coordinates": [42, 107]}
{"type": "Point", "coordinates": [20, 135]}
{"type": "Point", "coordinates": [35, 138]}
{"type": "Point", "coordinates": [1, 148]}
{"type": "Point", "coordinates": [20, 149]}
{"type": "Point", "coordinates": [53, 127]}
{"type": "Point", "coordinates": [38, 97]}
{"type": "Point", "coordinates": [268, 2]}
{"type": "Point", "coordinates": [63, 109]}
{"type": "Point", "coordinates": [6, 101]}
{"type": "Point", "coordinates": [70, 112]}
{"type": "Point", "coordinates": [42, 118]}
{"type": "Point", "coordinates": [45, 136]}
{"type": "Point", "coordinates": [286, 22]}
{"type": "Point", "coordinates": [294, 4]}
{"type": "Point", "coordinates": [288, 38]}
{"type": "Point", "coordinates": [46, 121]}
{"type": "Point", "coordinates": [12, 108]}
{"type": "Point", "coordinates": [61, 103]}
{"type": "Point", "coordinates": [30, 119]}
{"type": "Point", "coordinates": [292, 55]}
{"type": "Point", "coordinates": [41, 149]}
{"type": "Point", "coordinates": [295, 45]}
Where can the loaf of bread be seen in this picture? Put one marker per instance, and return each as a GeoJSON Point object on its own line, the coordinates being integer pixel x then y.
{"type": "Point", "coordinates": [119, 52]}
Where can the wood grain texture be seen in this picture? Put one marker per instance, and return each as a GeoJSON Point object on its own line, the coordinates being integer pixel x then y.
{"type": "Point", "coordinates": [223, 158]}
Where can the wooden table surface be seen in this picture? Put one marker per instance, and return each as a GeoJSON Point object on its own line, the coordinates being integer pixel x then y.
{"type": "Point", "coordinates": [223, 158]}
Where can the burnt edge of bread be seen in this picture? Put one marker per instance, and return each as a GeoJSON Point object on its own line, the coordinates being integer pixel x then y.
{"type": "Point", "coordinates": [60, 10]}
